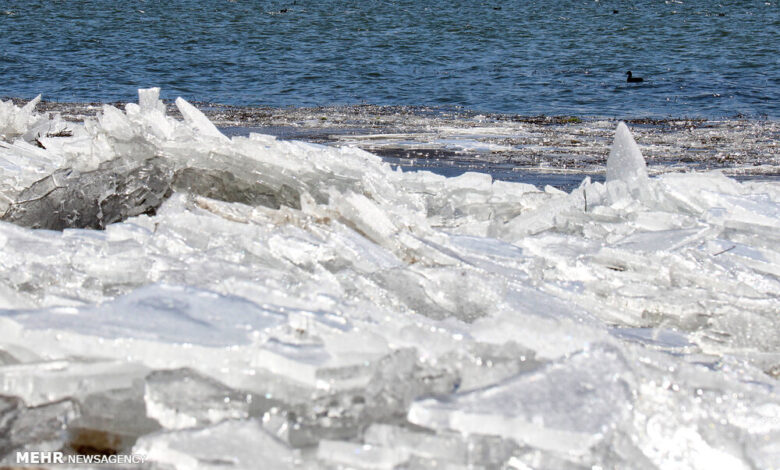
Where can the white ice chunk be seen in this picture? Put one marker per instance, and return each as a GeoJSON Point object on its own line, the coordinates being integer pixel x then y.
{"type": "Point", "coordinates": [316, 287]}
{"type": "Point", "coordinates": [195, 118]}
{"type": "Point", "coordinates": [230, 444]}
{"type": "Point", "coordinates": [181, 398]}
{"type": "Point", "coordinates": [626, 165]}
{"type": "Point", "coordinates": [149, 100]}
{"type": "Point", "coordinates": [364, 215]}
{"type": "Point", "coordinates": [44, 382]}
{"type": "Point", "coordinates": [29, 107]}
{"type": "Point", "coordinates": [592, 396]}
{"type": "Point", "coordinates": [39, 428]}
{"type": "Point", "coordinates": [668, 240]}
{"type": "Point", "coordinates": [539, 322]}
{"type": "Point", "coordinates": [15, 121]}
{"type": "Point", "coordinates": [116, 124]}
{"type": "Point", "coordinates": [451, 448]}
{"type": "Point", "coordinates": [363, 456]}
{"type": "Point", "coordinates": [163, 313]}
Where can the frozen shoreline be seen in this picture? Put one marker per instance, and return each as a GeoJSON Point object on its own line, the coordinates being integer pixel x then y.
{"type": "Point", "coordinates": [541, 150]}
{"type": "Point", "coordinates": [258, 299]}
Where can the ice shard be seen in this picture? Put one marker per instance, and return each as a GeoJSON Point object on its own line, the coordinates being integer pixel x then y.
{"type": "Point", "coordinates": [15, 121]}
{"type": "Point", "coordinates": [111, 421]}
{"type": "Point", "coordinates": [37, 428]}
{"type": "Point", "coordinates": [118, 189]}
{"type": "Point", "coordinates": [176, 400]}
{"type": "Point", "coordinates": [195, 118]}
{"type": "Point", "coordinates": [149, 101]}
{"type": "Point", "coordinates": [230, 444]}
{"type": "Point", "coordinates": [227, 186]}
{"type": "Point", "coordinates": [626, 168]}
{"type": "Point", "coordinates": [592, 391]}
{"type": "Point", "coordinates": [42, 382]}
{"type": "Point", "coordinates": [252, 300]}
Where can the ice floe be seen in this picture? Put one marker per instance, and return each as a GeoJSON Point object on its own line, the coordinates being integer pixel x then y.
{"type": "Point", "coordinates": [250, 299]}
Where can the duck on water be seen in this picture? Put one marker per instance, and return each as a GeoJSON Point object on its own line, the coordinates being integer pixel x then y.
{"type": "Point", "coordinates": [632, 79]}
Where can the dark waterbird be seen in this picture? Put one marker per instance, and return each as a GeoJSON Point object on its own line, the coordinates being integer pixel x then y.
{"type": "Point", "coordinates": [631, 79]}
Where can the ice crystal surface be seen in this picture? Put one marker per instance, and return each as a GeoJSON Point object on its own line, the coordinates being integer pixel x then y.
{"type": "Point", "coordinates": [248, 300]}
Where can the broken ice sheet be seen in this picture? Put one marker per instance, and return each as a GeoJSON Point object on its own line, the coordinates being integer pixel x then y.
{"type": "Point", "coordinates": [47, 381]}
{"type": "Point", "coordinates": [568, 406]}
{"type": "Point", "coordinates": [353, 455]}
{"type": "Point", "coordinates": [182, 398]}
{"type": "Point", "coordinates": [115, 191]}
{"type": "Point", "coordinates": [111, 420]}
{"type": "Point", "coordinates": [304, 419]}
{"type": "Point", "coordinates": [160, 313]}
{"type": "Point", "coordinates": [395, 446]}
{"type": "Point", "coordinates": [14, 121]}
{"type": "Point", "coordinates": [36, 428]}
{"type": "Point", "coordinates": [480, 365]}
{"type": "Point", "coordinates": [107, 397]}
{"type": "Point", "coordinates": [725, 411]}
{"type": "Point", "coordinates": [229, 444]}
{"type": "Point", "coordinates": [446, 447]}
{"type": "Point", "coordinates": [626, 169]}
{"type": "Point", "coordinates": [322, 294]}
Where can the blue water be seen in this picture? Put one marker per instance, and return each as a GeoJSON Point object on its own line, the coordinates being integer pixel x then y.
{"type": "Point", "coordinates": [702, 59]}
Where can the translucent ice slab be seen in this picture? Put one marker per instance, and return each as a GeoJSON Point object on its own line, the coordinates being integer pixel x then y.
{"type": "Point", "coordinates": [230, 444]}
{"type": "Point", "coordinates": [310, 306]}
{"type": "Point", "coordinates": [592, 396]}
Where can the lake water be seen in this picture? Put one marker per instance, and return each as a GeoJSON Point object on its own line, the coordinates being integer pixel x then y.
{"type": "Point", "coordinates": [702, 59]}
{"type": "Point", "coordinates": [283, 299]}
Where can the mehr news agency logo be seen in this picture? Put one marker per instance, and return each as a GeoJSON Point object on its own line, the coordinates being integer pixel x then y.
{"type": "Point", "coordinates": [51, 457]}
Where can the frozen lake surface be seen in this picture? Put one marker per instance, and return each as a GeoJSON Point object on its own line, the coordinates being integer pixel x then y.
{"type": "Point", "coordinates": [251, 299]}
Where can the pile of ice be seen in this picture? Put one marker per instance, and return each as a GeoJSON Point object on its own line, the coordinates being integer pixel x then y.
{"type": "Point", "coordinates": [254, 300]}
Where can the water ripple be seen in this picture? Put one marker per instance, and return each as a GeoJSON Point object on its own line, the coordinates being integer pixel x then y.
{"type": "Point", "coordinates": [569, 57]}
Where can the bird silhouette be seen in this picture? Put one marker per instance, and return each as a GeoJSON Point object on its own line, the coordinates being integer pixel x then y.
{"type": "Point", "coordinates": [632, 79]}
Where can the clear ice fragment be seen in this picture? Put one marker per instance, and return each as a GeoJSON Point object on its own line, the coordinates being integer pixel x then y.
{"type": "Point", "coordinates": [626, 165]}
{"type": "Point", "coordinates": [118, 189]}
{"type": "Point", "coordinates": [38, 383]}
{"type": "Point", "coordinates": [149, 100]}
{"type": "Point", "coordinates": [260, 301]}
{"type": "Point", "coordinates": [229, 444]}
{"type": "Point", "coordinates": [37, 428]}
{"type": "Point", "coordinates": [195, 118]}
{"type": "Point", "coordinates": [592, 396]}
{"type": "Point", "coordinates": [15, 121]}
{"type": "Point", "coordinates": [111, 421]}
{"type": "Point", "coordinates": [182, 398]}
